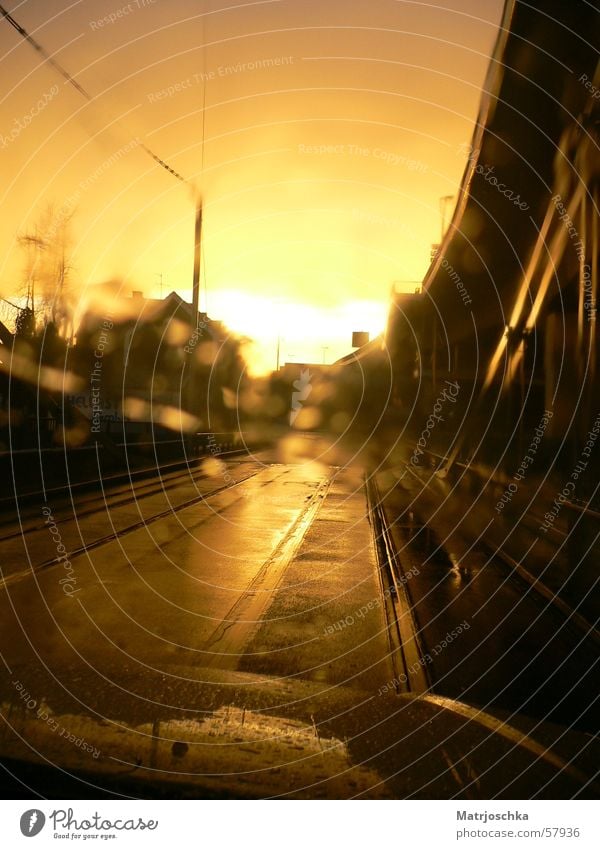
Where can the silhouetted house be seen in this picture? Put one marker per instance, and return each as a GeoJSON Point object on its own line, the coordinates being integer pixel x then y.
{"type": "Point", "coordinates": [151, 359]}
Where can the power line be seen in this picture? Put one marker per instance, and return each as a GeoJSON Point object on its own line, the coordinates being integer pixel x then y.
{"type": "Point", "coordinates": [163, 164]}
{"type": "Point", "coordinates": [198, 203]}
{"type": "Point", "coordinates": [38, 47]}
{"type": "Point", "coordinates": [10, 303]}
{"type": "Point", "coordinates": [67, 76]}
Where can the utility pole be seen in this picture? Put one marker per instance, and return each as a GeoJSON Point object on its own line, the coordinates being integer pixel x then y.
{"type": "Point", "coordinates": [195, 304]}
{"type": "Point", "coordinates": [196, 278]}
{"type": "Point", "coordinates": [143, 146]}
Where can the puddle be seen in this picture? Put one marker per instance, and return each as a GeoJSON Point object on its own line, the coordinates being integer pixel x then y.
{"type": "Point", "coordinates": [422, 540]}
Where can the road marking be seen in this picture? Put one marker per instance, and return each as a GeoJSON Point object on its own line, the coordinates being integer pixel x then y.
{"type": "Point", "coordinates": [226, 644]}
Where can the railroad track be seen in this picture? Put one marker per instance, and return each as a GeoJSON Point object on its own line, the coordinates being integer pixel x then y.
{"type": "Point", "coordinates": [120, 498]}
{"type": "Point", "coordinates": [493, 551]}
{"type": "Point", "coordinates": [8, 503]}
{"type": "Point", "coordinates": [226, 644]}
{"type": "Point", "coordinates": [405, 643]}
{"type": "Point", "coordinates": [121, 532]}
{"type": "Point", "coordinates": [528, 652]}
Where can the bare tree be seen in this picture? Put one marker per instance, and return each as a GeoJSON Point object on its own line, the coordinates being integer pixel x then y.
{"type": "Point", "coordinates": [46, 286]}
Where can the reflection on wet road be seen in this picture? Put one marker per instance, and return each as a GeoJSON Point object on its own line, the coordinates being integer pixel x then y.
{"type": "Point", "coordinates": [232, 635]}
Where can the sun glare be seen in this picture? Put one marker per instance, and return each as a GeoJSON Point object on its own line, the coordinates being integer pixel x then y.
{"type": "Point", "coordinates": [300, 332]}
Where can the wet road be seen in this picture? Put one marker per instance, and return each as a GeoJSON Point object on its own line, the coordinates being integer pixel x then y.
{"type": "Point", "coordinates": [228, 632]}
{"type": "Point", "coordinates": [192, 587]}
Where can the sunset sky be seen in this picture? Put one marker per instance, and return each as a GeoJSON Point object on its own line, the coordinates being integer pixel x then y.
{"type": "Point", "coordinates": [331, 130]}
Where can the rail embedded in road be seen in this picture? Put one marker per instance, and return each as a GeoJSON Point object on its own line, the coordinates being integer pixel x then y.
{"type": "Point", "coordinates": [406, 649]}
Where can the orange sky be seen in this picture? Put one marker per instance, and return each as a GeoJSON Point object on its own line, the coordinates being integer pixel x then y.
{"type": "Point", "coordinates": [331, 131]}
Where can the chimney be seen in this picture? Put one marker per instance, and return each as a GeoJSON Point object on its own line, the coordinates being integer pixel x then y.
{"type": "Point", "coordinates": [137, 295]}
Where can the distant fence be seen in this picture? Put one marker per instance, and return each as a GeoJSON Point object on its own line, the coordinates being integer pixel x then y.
{"type": "Point", "coordinates": [43, 464]}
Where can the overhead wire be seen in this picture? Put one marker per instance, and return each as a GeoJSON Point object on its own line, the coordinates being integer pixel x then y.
{"type": "Point", "coordinates": [43, 52]}
{"type": "Point", "coordinates": [145, 147]}
{"type": "Point", "coordinates": [82, 91]}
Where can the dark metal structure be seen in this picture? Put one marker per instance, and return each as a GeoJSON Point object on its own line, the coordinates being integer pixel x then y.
{"type": "Point", "coordinates": [509, 303]}
{"type": "Point", "coordinates": [508, 311]}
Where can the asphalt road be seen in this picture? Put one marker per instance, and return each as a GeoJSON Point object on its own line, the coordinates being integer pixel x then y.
{"type": "Point", "coordinates": [226, 634]}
